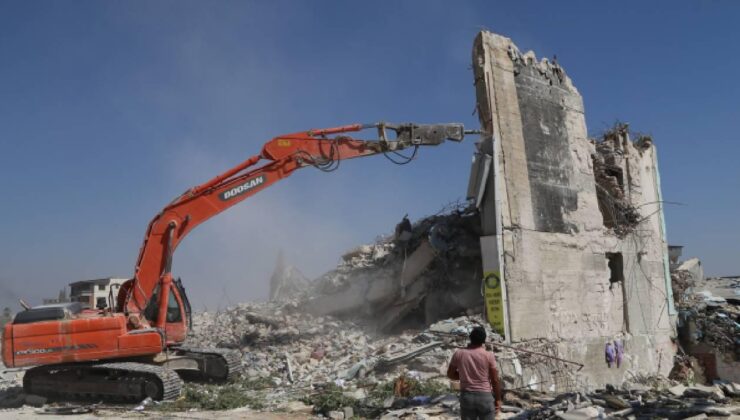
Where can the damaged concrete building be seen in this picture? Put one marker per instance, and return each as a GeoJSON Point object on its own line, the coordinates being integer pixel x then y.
{"type": "Point", "coordinates": [561, 243]}
{"type": "Point", "coordinates": [572, 227]}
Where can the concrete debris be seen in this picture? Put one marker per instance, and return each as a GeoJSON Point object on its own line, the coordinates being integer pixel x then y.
{"type": "Point", "coordinates": [620, 215]}
{"type": "Point", "coordinates": [411, 279]}
{"type": "Point", "coordinates": [633, 400]}
{"type": "Point", "coordinates": [357, 363]}
{"type": "Point", "coordinates": [298, 350]}
{"type": "Point", "coordinates": [330, 353]}
{"type": "Point", "coordinates": [708, 325]}
{"type": "Point", "coordinates": [323, 348]}
{"type": "Point", "coordinates": [685, 276]}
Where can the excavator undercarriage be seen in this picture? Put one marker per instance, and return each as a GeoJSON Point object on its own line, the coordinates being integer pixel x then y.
{"type": "Point", "coordinates": [160, 378]}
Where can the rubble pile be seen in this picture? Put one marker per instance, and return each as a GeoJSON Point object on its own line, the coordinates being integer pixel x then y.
{"type": "Point", "coordinates": [429, 272]}
{"type": "Point", "coordinates": [708, 324]}
{"type": "Point", "coordinates": [619, 214]}
{"type": "Point", "coordinates": [290, 356]}
{"type": "Point", "coordinates": [293, 352]}
{"type": "Point", "coordinates": [706, 316]}
{"type": "Point", "coordinates": [644, 398]}
{"type": "Point", "coordinates": [298, 362]}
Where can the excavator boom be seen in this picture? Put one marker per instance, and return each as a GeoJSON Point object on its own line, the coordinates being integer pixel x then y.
{"type": "Point", "coordinates": [281, 156]}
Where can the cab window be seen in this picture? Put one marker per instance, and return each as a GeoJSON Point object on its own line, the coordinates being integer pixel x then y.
{"type": "Point", "coordinates": [173, 309]}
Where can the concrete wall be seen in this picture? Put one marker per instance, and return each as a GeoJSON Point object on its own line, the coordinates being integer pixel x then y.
{"type": "Point", "coordinates": [553, 238]}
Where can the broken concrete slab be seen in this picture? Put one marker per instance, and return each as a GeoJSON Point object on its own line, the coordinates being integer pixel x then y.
{"type": "Point", "coordinates": [677, 390]}
{"type": "Point", "coordinates": [335, 415]}
{"type": "Point", "coordinates": [702, 391]}
{"type": "Point", "coordinates": [434, 274]}
{"type": "Point", "coordinates": [730, 388]}
{"type": "Point", "coordinates": [580, 414]}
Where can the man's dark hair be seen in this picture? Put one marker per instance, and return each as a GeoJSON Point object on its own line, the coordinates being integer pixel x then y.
{"type": "Point", "coordinates": [477, 336]}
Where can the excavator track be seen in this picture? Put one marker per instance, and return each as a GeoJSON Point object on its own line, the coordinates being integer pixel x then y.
{"type": "Point", "coordinates": [220, 365]}
{"type": "Point", "coordinates": [121, 381]}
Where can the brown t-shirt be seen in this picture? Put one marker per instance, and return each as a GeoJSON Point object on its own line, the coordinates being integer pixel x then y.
{"type": "Point", "coordinates": [474, 365]}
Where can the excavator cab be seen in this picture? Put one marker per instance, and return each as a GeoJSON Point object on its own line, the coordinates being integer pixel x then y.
{"type": "Point", "coordinates": [178, 313]}
{"type": "Point", "coordinates": [187, 310]}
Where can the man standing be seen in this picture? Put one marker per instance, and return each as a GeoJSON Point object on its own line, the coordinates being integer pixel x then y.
{"type": "Point", "coordinates": [475, 368]}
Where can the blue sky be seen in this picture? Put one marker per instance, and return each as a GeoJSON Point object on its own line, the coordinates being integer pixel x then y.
{"type": "Point", "coordinates": [110, 109]}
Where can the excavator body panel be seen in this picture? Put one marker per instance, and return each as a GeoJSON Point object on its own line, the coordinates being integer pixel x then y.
{"type": "Point", "coordinates": [86, 337]}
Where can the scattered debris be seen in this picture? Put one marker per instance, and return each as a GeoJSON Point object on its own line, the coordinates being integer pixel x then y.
{"type": "Point", "coordinates": [708, 325]}
{"type": "Point", "coordinates": [432, 273]}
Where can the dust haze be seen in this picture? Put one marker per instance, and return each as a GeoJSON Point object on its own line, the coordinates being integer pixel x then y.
{"type": "Point", "coordinates": [311, 216]}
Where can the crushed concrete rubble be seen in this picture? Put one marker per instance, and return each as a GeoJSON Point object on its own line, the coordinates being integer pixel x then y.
{"type": "Point", "coordinates": [646, 398]}
{"type": "Point", "coordinates": [294, 355]}
{"type": "Point", "coordinates": [327, 355]}
{"type": "Point", "coordinates": [620, 215]}
{"type": "Point", "coordinates": [708, 325]}
{"type": "Point", "coordinates": [304, 364]}
{"type": "Point", "coordinates": [429, 273]}
{"type": "Point", "coordinates": [319, 349]}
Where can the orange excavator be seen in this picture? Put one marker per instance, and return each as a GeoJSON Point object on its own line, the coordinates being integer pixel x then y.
{"type": "Point", "coordinates": [134, 348]}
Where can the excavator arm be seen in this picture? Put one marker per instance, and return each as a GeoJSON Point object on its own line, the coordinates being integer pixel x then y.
{"type": "Point", "coordinates": [280, 157]}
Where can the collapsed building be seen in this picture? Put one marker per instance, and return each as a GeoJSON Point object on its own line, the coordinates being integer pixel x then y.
{"type": "Point", "coordinates": [430, 272]}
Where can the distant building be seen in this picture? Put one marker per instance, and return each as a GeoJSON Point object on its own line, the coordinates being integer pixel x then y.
{"type": "Point", "coordinates": [62, 298]}
{"type": "Point", "coordinates": [95, 293]}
